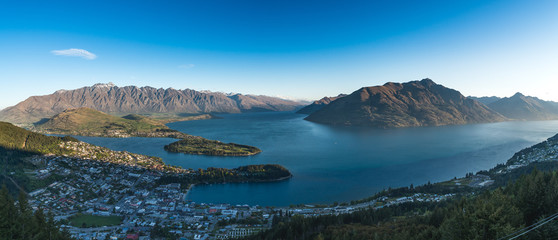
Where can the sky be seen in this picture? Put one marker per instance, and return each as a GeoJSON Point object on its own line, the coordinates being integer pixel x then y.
{"type": "Point", "coordinates": [291, 49]}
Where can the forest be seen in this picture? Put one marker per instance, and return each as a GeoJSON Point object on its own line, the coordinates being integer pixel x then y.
{"type": "Point", "coordinates": [17, 145]}
{"type": "Point", "coordinates": [15, 138]}
{"type": "Point", "coordinates": [250, 173]}
{"type": "Point", "coordinates": [211, 147]}
{"type": "Point", "coordinates": [19, 221]}
{"type": "Point", "coordinates": [499, 213]}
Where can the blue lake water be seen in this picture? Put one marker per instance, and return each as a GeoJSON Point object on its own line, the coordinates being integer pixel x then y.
{"type": "Point", "coordinates": [338, 163]}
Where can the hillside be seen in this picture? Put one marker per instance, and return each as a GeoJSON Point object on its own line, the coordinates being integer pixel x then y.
{"type": "Point", "coordinates": [485, 100]}
{"type": "Point", "coordinates": [521, 107]}
{"type": "Point", "coordinates": [89, 122]}
{"type": "Point", "coordinates": [15, 138]}
{"type": "Point", "coordinates": [412, 104]}
{"type": "Point", "coordinates": [111, 99]}
{"type": "Point", "coordinates": [520, 204]}
{"type": "Point", "coordinates": [22, 150]}
{"type": "Point", "coordinates": [319, 104]}
{"type": "Point", "coordinates": [503, 213]}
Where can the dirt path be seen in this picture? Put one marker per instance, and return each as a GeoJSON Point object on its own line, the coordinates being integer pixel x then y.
{"type": "Point", "coordinates": [25, 142]}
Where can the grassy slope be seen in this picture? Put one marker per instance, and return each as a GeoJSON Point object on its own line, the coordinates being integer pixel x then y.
{"type": "Point", "coordinates": [89, 122]}
{"type": "Point", "coordinates": [85, 121]}
{"type": "Point", "coordinates": [17, 143]}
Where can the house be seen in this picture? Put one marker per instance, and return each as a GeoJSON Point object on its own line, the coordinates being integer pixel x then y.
{"type": "Point", "coordinates": [132, 236]}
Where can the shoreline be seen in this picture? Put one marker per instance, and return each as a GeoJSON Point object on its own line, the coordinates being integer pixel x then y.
{"type": "Point", "coordinates": [261, 181]}
{"type": "Point", "coordinates": [168, 136]}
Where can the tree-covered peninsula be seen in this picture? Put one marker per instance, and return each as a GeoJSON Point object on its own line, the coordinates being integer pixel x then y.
{"type": "Point", "coordinates": [18, 146]}
{"type": "Point", "coordinates": [250, 173]}
{"type": "Point", "coordinates": [46, 169]}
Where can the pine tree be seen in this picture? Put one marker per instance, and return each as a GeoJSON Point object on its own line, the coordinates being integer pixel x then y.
{"type": "Point", "coordinates": [7, 213]}
{"type": "Point", "coordinates": [17, 221]}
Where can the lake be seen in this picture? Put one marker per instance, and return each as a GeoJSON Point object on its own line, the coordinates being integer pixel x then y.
{"type": "Point", "coordinates": [338, 164]}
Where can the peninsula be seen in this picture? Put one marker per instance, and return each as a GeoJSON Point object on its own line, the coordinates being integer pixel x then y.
{"type": "Point", "coordinates": [21, 144]}
{"type": "Point", "coordinates": [90, 122]}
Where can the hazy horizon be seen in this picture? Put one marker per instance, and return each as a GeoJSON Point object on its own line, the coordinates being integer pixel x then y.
{"type": "Point", "coordinates": [289, 49]}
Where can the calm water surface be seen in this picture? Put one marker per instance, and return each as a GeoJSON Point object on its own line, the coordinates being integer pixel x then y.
{"type": "Point", "coordinates": [338, 163]}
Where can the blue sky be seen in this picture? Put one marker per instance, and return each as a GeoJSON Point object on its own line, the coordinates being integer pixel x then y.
{"type": "Point", "coordinates": [295, 49]}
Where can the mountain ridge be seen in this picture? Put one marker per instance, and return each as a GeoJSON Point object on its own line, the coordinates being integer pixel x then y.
{"type": "Point", "coordinates": [521, 107]}
{"type": "Point", "coordinates": [485, 100]}
{"type": "Point", "coordinates": [112, 99]}
{"type": "Point", "coordinates": [319, 104]}
{"type": "Point", "coordinates": [411, 104]}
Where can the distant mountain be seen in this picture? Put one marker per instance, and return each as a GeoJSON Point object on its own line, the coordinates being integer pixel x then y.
{"type": "Point", "coordinates": [412, 104]}
{"type": "Point", "coordinates": [319, 104]}
{"type": "Point", "coordinates": [521, 107]}
{"type": "Point", "coordinates": [485, 100]}
{"type": "Point", "coordinates": [111, 99]}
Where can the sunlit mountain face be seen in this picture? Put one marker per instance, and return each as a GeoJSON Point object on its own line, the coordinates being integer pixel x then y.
{"type": "Point", "coordinates": [278, 120]}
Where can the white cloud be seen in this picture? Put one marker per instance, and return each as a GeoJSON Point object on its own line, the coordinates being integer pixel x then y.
{"type": "Point", "coordinates": [74, 52]}
{"type": "Point", "coordinates": [186, 66]}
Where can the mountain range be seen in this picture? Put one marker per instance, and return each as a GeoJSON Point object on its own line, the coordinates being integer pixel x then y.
{"type": "Point", "coordinates": [411, 104]}
{"type": "Point", "coordinates": [112, 99]}
{"type": "Point", "coordinates": [521, 107]}
{"type": "Point", "coordinates": [319, 104]}
{"type": "Point", "coordinates": [485, 100]}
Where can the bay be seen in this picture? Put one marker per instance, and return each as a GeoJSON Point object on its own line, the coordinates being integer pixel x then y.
{"type": "Point", "coordinates": [338, 164]}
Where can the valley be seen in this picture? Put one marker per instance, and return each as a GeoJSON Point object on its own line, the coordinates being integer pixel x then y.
{"type": "Point", "coordinates": [279, 120]}
{"type": "Point", "coordinates": [136, 179]}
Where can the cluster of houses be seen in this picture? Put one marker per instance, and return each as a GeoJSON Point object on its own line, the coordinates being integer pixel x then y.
{"type": "Point", "coordinates": [103, 189]}
{"type": "Point", "coordinates": [545, 151]}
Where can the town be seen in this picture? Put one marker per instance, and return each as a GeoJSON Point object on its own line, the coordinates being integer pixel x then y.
{"type": "Point", "coordinates": [103, 200]}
